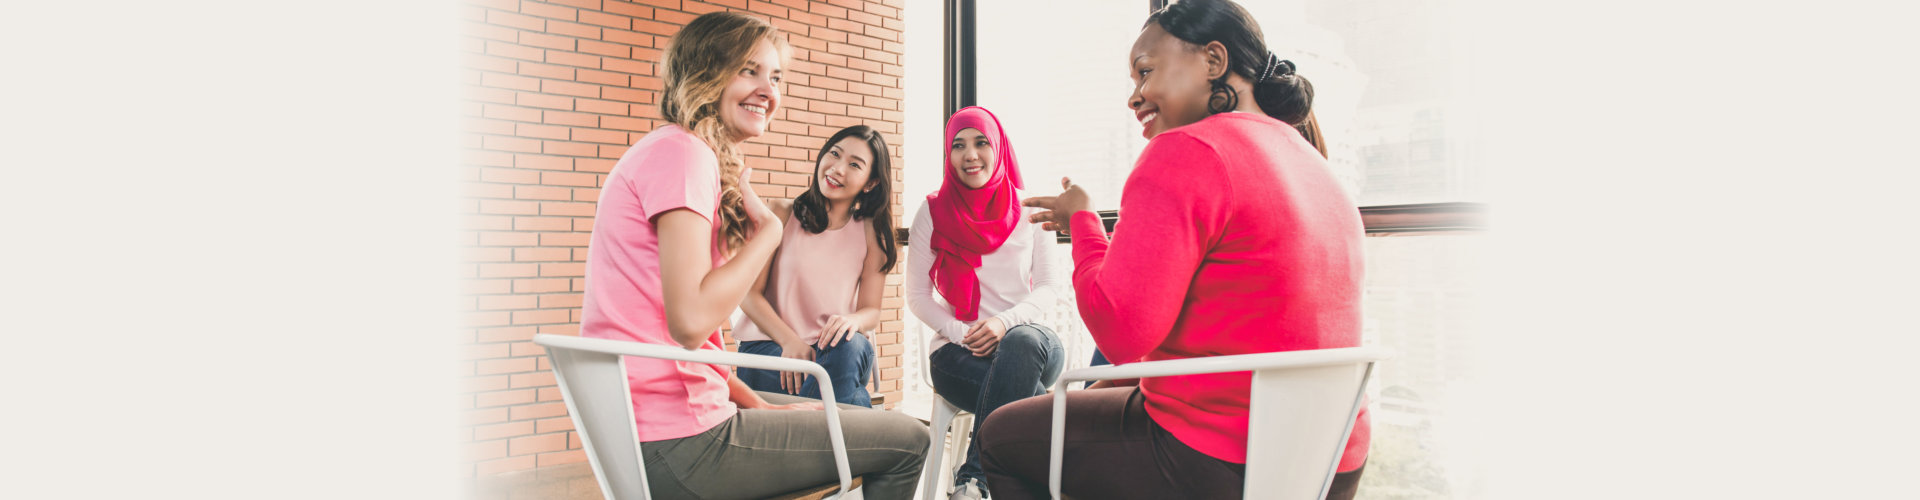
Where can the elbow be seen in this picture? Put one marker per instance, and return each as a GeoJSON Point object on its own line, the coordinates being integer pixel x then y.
{"type": "Point", "coordinates": [687, 334]}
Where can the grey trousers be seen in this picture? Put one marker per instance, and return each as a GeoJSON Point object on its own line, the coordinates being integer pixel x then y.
{"type": "Point", "coordinates": [761, 453]}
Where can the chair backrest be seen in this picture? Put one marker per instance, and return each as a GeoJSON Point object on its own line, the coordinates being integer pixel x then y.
{"type": "Point", "coordinates": [1297, 429]}
{"type": "Point", "coordinates": [595, 387]}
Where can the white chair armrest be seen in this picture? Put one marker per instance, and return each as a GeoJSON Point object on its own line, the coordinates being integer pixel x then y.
{"type": "Point", "coordinates": [625, 348]}
{"type": "Point", "coordinates": [1188, 366]}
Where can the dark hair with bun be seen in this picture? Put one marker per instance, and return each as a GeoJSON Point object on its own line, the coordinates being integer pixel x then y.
{"type": "Point", "coordinates": [1282, 94]}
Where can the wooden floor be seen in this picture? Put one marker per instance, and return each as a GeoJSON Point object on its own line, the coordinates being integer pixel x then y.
{"type": "Point", "coordinates": [560, 482]}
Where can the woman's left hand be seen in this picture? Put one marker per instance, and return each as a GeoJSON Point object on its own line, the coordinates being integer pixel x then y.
{"type": "Point", "coordinates": [837, 329]}
{"type": "Point", "coordinates": [984, 337]}
{"type": "Point", "coordinates": [1059, 209]}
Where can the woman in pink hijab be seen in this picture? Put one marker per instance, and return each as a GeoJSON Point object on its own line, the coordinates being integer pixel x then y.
{"type": "Point", "coordinates": [994, 274]}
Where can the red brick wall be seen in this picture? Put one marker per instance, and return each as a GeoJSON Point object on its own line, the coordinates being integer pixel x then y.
{"type": "Point", "coordinates": [556, 91]}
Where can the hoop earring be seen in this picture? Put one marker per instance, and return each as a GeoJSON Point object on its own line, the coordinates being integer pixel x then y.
{"type": "Point", "coordinates": [1223, 98]}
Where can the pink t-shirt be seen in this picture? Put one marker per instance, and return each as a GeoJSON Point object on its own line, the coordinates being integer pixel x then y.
{"type": "Point", "coordinates": [668, 169]}
{"type": "Point", "coordinates": [1234, 239]}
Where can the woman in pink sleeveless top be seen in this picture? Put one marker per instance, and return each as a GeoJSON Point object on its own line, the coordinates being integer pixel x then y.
{"type": "Point", "coordinates": [824, 285]}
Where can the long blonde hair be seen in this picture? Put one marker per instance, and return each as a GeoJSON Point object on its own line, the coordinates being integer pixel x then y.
{"type": "Point", "coordinates": [699, 63]}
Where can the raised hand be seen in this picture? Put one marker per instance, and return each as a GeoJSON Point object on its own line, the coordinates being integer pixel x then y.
{"type": "Point", "coordinates": [1059, 209]}
{"type": "Point", "coordinates": [763, 218]}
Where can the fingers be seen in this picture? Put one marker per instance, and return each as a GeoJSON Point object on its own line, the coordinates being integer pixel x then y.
{"type": "Point", "coordinates": [1039, 201]}
{"type": "Point", "coordinates": [1039, 217]}
{"type": "Point", "coordinates": [1066, 183]}
{"type": "Point", "coordinates": [1049, 227]}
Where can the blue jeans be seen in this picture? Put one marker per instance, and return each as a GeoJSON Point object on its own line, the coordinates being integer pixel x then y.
{"type": "Point", "coordinates": [1028, 360]}
{"type": "Point", "coordinates": [849, 364]}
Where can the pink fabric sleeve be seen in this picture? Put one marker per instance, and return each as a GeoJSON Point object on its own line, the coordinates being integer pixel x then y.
{"type": "Point", "coordinates": [680, 172]}
{"type": "Point", "coordinates": [1132, 289]}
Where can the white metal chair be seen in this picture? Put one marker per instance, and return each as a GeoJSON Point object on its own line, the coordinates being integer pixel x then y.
{"type": "Point", "coordinates": [1301, 411]}
{"type": "Point", "coordinates": [945, 416]}
{"type": "Point", "coordinates": [592, 377]}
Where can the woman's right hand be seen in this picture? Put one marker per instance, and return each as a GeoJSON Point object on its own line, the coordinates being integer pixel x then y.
{"type": "Point", "coordinates": [791, 381]}
{"type": "Point", "coordinates": [764, 220]}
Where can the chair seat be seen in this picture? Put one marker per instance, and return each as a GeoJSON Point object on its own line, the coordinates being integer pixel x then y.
{"type": "Point", "coordinates": [817, 492]}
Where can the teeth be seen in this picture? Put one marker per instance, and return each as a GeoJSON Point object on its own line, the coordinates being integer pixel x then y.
{"type": "Point", "coordinates": [756, 109]}
{"type": "Point", "coordinates": [1148, 118]}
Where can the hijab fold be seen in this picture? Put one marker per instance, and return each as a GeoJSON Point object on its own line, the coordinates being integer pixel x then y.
{"type": "Point", "coordinates": [967, 222]}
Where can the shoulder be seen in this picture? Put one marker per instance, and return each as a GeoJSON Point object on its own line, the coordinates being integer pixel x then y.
{"type": "Point", "coordinates": [781, 207]}
{"type": "Point", "coordinates": [672, 146]}
{"type": "Point", "coordinates": [923, 217]}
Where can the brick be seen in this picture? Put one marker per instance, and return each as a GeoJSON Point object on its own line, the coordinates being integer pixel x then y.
{"type": "Point", "coordinates": [595, 165]}
{"type": "Point", "coordinates": [540, 131]}
{"type": "Point", "coordinates": [542, 162]}
{"type": "Point", "coordinates": [546, 41]}
{"type": "Point", "coordinates": [575, 30]}
{"type": "Point", "coordinates": [568, 148]}
{"type": "Point", "coordinates": [569, 89]}
{"type": "Point", "coordinates": [546, 10]}
{"type": "Point", "coordinates": [505, 430]}
{"type": "Point", "coordinates": [537, 411]}
{"type": "Point", "coordinates": [508, 238]}
{"type": "Point", "coordinates": [505, 334]}
{"type": "Point", "coordinates": [513, 51]}
{"type": "Point", "coordinates": [630, 66]}
{"type": "Point", "coordinates": [503, 398]}
{"type": "Point", "coordinates": [540, 316]}
{"type": "Point", "coordinates": [509, 175]}
{"type": "Point", "coordinates": [569, 179]}
{"type": "Point", "coordinates": [529, 349]}
{"type": "Point", "coordinates": [562, 299]}
{"type": "Point", "coordinates": [547, 425]}
{"type": "Point", "coordinates": [600, 136]}
{"type": "Point", "coordinates": [516, 20]}
{"type": "Point", "coordinates": [568, 118]}
{"type": "Point", "coordinates": [602, 107]}
{"type": "Point", "coordinates": [541, 285]}
{"type": "Point", "coordinates": [602, 77]}
{"type": "Point", "coordinates": [540, 255]}
{"type": "Point", "coordinates": [542, 223]}
{"type": "Point", "coordinates": [573, 59]}
{"type": "Point", "coordinates": [477, 254]}
{"type": "Point", "coordinates": [508, 270]}
{"type": "Point", "coordinates": [664, 4]}
{"type": "Point", "coordinates": [510, 365]}
{"type": "Point", "coordinates": [864, 18]}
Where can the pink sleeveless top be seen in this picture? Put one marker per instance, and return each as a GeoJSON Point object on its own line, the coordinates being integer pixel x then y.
{"type": "Point", "coordinates": [814, 276]}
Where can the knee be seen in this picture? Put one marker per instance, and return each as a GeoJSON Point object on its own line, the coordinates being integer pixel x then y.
{"type": "Point", "coordinates": [1017, 421]}
{"type": "Point", "coordinates": [1029, 339]}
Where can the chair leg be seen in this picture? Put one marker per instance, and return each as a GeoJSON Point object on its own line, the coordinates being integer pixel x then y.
{"type": "Point", "coordinates": [932, 477]}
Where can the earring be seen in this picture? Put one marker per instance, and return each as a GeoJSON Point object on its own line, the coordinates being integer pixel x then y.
{"type": "Point", "coordinates": [1223, 98]}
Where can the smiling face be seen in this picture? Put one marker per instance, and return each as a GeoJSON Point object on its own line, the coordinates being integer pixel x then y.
{"type": "Point", "coordinates": [1170, 81]}
{"type": "Point", "coordinates": [845, 170]}
{"type": "Point", "coordinates": [748, 103]}
{"type": "Point", "coordinates": [971, 156]}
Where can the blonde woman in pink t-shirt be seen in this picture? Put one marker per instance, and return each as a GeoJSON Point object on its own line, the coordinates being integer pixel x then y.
{"type": "Point", "coordinates": [824, 286]}
{"type": "Point", "coordinates": [678, 239]}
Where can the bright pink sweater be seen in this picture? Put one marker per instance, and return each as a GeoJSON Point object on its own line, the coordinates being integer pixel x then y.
{"type": "Point", "coordinates": [1237, 240]}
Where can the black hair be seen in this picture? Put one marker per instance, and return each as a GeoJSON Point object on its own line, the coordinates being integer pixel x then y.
{"type": "Point", "coordinates": [875, 205]}
{"type": "Point", "coordinates": [1282, 94]}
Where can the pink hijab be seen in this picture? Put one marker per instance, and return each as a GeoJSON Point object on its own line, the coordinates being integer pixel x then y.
{"type": "Point", "coordinates": [968, 223]}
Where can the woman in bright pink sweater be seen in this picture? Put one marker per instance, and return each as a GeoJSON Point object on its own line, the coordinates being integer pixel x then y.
{"type": "Point", "coordinates": [1236, 240]}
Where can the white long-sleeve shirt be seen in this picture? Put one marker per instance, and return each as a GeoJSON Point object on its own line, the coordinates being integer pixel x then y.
{"type": "Point", "coordinates": [1018, 281]}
